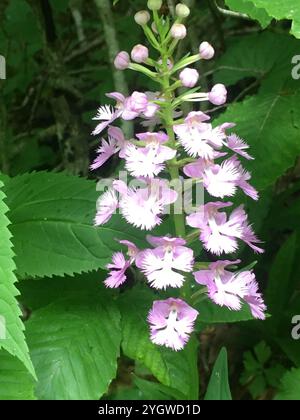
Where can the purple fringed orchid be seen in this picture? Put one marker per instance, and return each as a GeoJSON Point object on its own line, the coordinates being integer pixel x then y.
{"type": "Point", "coordinates": [171, 323]}
{"type": "Point", "coordinates": [218, 232]}
{"type": "Point", "coordinates": [156, 157]}
{"type": "Point", "coordinates": [198, 137]}
{"type": "Point", "coordinates": [106, 207]}
{"type": "Point", "coordinates": [143, 207]}
{"type": "Point", "coordinates": [221, 180]}
{"type": "Point", "coordinates": [163, 265]}
{"type": "Point", "coordinates": [231, 289]}
{"type": "Point", "coordinates": [119, 265]}
{"type": "Point", "coordinates": [150, 160]}
{"type": "Point", "coordinates": [126, 108]}
{"type": "Point", "coordinates": [116, 144]}
{"type": "Point", "coordinates": [237, 145]}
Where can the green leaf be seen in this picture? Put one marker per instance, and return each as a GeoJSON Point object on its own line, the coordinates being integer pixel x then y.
{"type": "Point", "coordinates": [287, 9]}
{"type": "Point", "coordinates": [210, 313]}
{"type": "Point", "coordinates": [177, 370]}
{"type": "Point", "coordinates": [37, 294]}
{"type": "Point", "coordinates": [245, 6]}
{"type": "Point", "coordinates": [282, 268]}
{"type": "Point", "coordinates": [11, 327]}
{"type": "Point", "coordinates": [21, 22]}
{"type": "Point", "coordinates": [270, 124]}
{"type": "Point", "coordinates": [251, 364]}
{"type": "Point", "coordinates": [75, 343]}
{"type": "Point", "coordinates": [290, 386]}
{"type": "Point", "coordinates": [257, 386]}
{"type": "Point", "coordinates": [155, 391]}
{"type": "Point", "coordinates": [274, 374]}
{"type": "Point", "coordinates": [269, 121]}
{"type": "Point", "coordinates": [56, 212]}
{"type": "Point", "coordinates": [16, 383]}
{"type": "Point", "coordinates": [262, 352]}
{"type": "Point", "coordinates": [241, 60]}
{"type": "Point", "coordinates": [290, 348]}
{"type": "Point", "coordinates": [218, 387]}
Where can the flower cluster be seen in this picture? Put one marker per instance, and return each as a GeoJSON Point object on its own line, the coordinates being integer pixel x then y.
{"type": "Point", "coordinates": [177, 147]}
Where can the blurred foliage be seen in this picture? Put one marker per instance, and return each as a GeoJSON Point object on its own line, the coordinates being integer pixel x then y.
{"type": "Point", "coordinates": [58, 71]}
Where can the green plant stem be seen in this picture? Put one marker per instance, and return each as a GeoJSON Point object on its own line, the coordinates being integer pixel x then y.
{"type": "Point", "coordinates": [167, 112]}
{"type": "Point", "coordinates": [167, 115]}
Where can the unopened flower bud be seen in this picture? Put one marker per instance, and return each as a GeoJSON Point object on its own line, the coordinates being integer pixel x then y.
{"type": "Point", "coordinates": [140, 53]}
{"type": "Point", "coordinates": [182, 11]}
{"type": "Point", "coordinates": [154, 28]}
{"type": "Point", "coordinates": [122, 60]}
{"type": "Point", "coordinates": [218, 94]}
{"type": "Point", "coordinates": [178, 31]}
{"type": "Point", "coordinates": [142, 17]}
{"type": "Point", "coordinates": [169, 63]}
{"type": "Point", "coordinates": [206, 51]}
{"type": "Point", "coordinates": [189, 77]}
{"type": "Point", "coordinates": [154, 4]}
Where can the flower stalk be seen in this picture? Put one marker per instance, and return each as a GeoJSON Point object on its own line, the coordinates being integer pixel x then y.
{"type": "Point", "coordinates": [182, 149]}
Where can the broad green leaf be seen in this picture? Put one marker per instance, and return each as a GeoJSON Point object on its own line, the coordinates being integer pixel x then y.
{"type": "Point", "coordinates": [245, 6]}
{"type": "Point", "coordinates": [37, 294]}
{"type": "Point", "coordinates": [177, 370]}
{"type": "Point", "coordinates": [218, 387]}
{"type": "Point", "coordinates": [52, 224]}
{"type": "Point", "coordinates": [16, 383]}
{"type": "Point", "coordinates": [11, 327]}
{"type": "Point", "coordinates": [285, 212]}
{"type": "Point", "coordinates": [290, 386]}
{"type": "Point", "coordinates": [287, 9]}
{"type": "Point", "coordinates": [241, 60]}
{"type": "Point", "coordinates": [279, 287]}
{"type": "Point", "coordinates": [270, 123]}
{"type": "Point", "coordinates": [74, 343]}
{"type": "Point", "coordinates": [210, 313]}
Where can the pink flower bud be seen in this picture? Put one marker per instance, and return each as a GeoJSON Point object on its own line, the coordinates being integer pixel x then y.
{"type": "Point", "coordinates": [206, 51]}
{"type": "Point", "coordinates": [122, 61]}
{"type": "Point", "coordinates": [138, 102]}
{"type": "Point", "coordinates": [189, 77]}
{"type": "Point", "coordinates": [142, 17]}
{"type": "Point", "coordinates": [140, 53]}
{"type": "Point", "coordinates": [218, 94]}
{"type": "Point", "coordinates": [178, 31]}
{"type": "Point", "coordinates": [154, 28]}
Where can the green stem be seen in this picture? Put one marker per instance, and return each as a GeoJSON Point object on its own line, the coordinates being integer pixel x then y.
{"type": "Point", "coordinates": [167, 112]}
{"type": "Point", "coordinates": [167, 115]}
